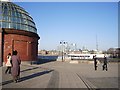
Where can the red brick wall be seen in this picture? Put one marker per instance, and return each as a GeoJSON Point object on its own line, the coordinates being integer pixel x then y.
{"type": "Point", "coordinates": [26, 46]}
{"type": "Point", "coordinates": [0, 40]}
{"type": "Point", "coordinates": [0, 48]}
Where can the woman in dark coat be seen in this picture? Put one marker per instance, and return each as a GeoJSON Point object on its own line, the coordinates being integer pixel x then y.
{"type": "Point", "coordinates": [15, 66]}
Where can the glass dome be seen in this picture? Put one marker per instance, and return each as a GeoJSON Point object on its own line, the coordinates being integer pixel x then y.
{"type": "Point", "coordinates": [15, 17]}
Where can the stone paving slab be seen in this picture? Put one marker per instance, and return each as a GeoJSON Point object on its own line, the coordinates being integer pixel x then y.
{"type": "Point", "coordinates": [30, 78]}
{"type": "Point", "coordinates": [63, 75]}
{"type": "Point", "coordinates": [95, 77]}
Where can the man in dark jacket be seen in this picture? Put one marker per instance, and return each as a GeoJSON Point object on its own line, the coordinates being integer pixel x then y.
{"type": "Point", "coordinates": [105, 63]}
{"type": "Point", "coordinates": [95, 62]}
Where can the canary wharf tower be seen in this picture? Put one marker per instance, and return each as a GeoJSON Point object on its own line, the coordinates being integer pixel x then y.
{"type": "Point", "coordinates": [17, 32]}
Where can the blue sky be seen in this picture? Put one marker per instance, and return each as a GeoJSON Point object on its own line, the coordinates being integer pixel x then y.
{"type": "Point", "coordinates": [75, 22]}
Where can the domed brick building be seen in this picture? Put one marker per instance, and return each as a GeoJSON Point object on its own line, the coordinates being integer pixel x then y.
{"type": "Point", "coordinates": [17, 32]}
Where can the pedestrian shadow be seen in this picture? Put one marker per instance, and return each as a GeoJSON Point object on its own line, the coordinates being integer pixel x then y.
{"type": "Point", "coordinates": [34, 75]}
{"type": "Point", "coordinates": [7, 82]}
{"type": "Point", "coordinates": [10, 81]}
{"type": "Point", "coordinates": [29, 69]}
{"type": "Point", "coordinates": [28, 77]}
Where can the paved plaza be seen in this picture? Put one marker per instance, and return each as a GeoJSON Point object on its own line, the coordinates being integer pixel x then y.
{"type": "Point", "coordinates": [59, 74]}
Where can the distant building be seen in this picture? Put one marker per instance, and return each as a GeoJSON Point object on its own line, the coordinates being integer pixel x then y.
{"type": "Point", "coordinates": [50, 52]}
{"type": "Point", "coordinates": [17, 32]}
{"type": "Point", "coordinates": [114, 52]}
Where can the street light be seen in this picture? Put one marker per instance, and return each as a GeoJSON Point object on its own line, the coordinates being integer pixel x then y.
{"type": "Point", "coordinates": [63, 43]}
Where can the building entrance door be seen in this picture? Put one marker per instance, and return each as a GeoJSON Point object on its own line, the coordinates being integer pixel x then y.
{"type": "Point", "coordinates": [22, 49]}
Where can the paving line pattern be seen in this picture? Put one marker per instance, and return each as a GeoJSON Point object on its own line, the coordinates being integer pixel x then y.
{"type": "Point", "coordinates": [89, 85]}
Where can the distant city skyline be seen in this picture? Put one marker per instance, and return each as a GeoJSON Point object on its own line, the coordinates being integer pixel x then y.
{"type": "Point", "coordinates": [75, 22]}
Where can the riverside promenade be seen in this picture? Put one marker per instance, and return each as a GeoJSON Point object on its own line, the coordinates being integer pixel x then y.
{"type": "Point", "coordinates": [61, 75]}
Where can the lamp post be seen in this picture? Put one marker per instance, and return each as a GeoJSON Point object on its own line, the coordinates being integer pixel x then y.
{"type": "Point", "coordinates": [62, 43]}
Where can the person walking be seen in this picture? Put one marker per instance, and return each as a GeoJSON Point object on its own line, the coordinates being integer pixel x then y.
{"type": "Point", "coordinates": [15, 66]}
{"type": "Point", "coordinates": [8, 64]}
{"type": "Point", "coordinates": [105, 63]}
{"type": "Point", "coordinates": [95, 62]}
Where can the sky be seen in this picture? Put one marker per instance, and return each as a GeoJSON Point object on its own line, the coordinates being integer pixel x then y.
{"type": "Point", "coordinates": [82, 23]}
